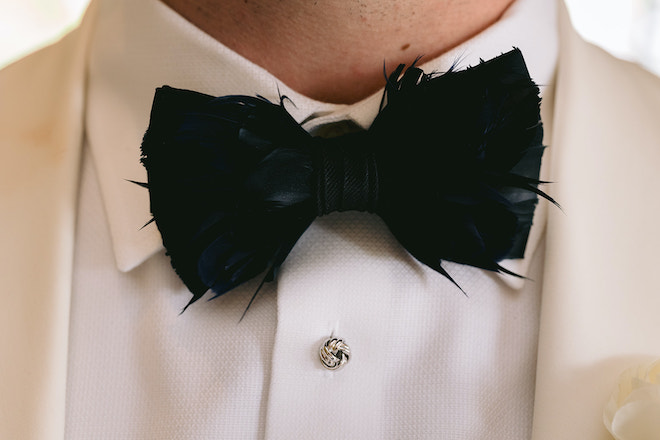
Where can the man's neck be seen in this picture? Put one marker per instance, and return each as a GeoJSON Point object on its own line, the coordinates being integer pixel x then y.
{"type": "Point", "coordinates": [333, 50]}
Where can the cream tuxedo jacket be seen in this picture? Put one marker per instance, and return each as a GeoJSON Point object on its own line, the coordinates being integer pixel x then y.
{"type": "Point", "coordinates": [601, 291]}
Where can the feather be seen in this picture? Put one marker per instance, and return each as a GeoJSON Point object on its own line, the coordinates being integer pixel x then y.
{"type": "Point", "coordinates": [456, 194]}
{"type": "Point", "coordinates": [226, 197]}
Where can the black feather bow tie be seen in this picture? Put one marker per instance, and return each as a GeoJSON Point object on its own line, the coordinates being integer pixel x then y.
{"type": "Point", "coordinates": [451, 164]}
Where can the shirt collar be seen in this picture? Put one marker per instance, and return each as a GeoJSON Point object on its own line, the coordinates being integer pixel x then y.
{"type": "Point", "coordinates": [139, 46]}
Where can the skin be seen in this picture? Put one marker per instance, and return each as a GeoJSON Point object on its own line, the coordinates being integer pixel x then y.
{"type": "Point", "coordinates": [333, 50]}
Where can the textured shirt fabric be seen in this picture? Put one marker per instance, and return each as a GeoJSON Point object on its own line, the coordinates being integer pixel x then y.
{"type": "Point", "coordinates": [427, 361]}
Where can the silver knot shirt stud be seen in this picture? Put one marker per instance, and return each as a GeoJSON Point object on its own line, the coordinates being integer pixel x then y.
{"type": "Point", "coordinates": [334, 353]}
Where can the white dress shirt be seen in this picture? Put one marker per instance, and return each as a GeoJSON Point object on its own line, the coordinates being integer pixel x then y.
{"type": "Point", "coordinates": [427, 361]}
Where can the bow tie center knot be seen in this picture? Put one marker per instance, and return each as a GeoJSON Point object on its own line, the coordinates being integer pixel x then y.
{"type": "Point", "coordinates": [346, 174]}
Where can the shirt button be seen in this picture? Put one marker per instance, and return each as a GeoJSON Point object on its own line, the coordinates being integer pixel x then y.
{"type": "Point", "coordinates": [334, 353]}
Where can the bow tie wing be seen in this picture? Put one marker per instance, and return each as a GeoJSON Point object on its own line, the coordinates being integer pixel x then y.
{"type": "Point", "coordinates": [466, 188]}
{"type": "Point", "coordinates": [229, 185]}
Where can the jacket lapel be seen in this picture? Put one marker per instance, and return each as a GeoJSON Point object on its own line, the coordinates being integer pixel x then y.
{"type": "Point", "coordinates": [41, 118]}
{"type": "Point", "coordinates": [600, 292]}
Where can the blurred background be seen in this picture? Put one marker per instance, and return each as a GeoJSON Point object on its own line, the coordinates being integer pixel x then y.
{"type": "Point", "coordinates": [629, 29]}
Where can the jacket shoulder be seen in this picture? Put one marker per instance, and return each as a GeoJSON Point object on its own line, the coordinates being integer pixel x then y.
{"type": "Point", "coordinates": [36, 89]}
{"type": "Point", "coordinates": [585, 68]}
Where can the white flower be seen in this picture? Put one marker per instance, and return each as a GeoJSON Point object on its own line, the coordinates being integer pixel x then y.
{"type": "Point", "coordinates": [633, 412]}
